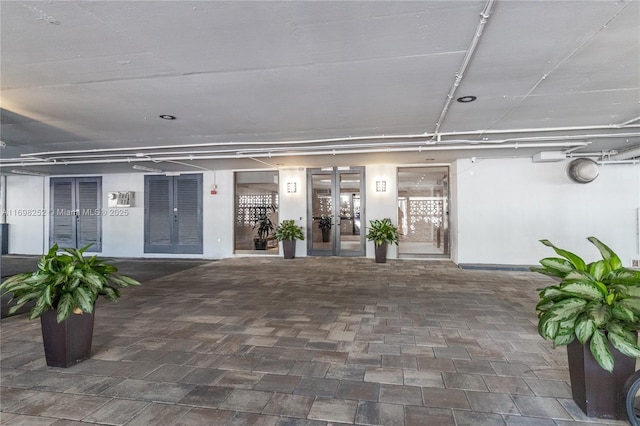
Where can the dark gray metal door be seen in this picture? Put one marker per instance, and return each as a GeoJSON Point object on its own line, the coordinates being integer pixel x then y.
{"type": "Point", "coordinates": [76, 212]}
{"type": "Point", "coordinates": [173, 214]}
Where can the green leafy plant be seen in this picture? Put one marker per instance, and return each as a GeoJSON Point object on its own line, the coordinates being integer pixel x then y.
{"type": "Point", "coordinates": [288, 230]}
{"type": "Point", "coordinates": [324, 223]}
{"type": "Point", "coordinates": [596, 302]}
{"type": "Point", "coordinates": [382, 231]}
{"type": "Point", "coordinates": [263, 223]}
{"type": "Point", "coordinates": [67, 282]}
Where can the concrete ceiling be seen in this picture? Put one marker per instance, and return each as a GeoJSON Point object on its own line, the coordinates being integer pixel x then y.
{"type": "Point", "coordinates": [285, 84]}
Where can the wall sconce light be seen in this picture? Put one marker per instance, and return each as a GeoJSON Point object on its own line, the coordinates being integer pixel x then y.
{"type": "Point", "coordinates": [381, 186]}
{"type": "Point", "coordinates": [291, 187]}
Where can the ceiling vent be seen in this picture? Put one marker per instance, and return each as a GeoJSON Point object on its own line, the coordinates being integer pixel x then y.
{"type": "Point", "coordinates": [582, 170]}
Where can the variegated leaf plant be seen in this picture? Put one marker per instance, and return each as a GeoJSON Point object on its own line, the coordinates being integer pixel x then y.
{"type": "Point", "coordinates": [595, 303]}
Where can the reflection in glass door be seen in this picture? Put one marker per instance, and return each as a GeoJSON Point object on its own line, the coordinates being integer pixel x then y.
{"type": "Point", "coordinates": [335, 214]}
{"type": "Point", "coordinates": [423, 211]}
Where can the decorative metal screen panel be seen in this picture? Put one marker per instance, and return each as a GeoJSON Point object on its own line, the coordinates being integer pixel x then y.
{"type": "Point", "coordinates": [425, 217]}
{"type": "Point", "coordinates": [252, 206]}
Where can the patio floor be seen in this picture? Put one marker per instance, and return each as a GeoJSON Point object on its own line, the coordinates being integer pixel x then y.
{"type": "Point", "coordinates": [310, 341]}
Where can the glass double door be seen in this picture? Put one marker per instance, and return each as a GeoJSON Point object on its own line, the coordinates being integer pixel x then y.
{"type": "Point", "coordinates": [335, 203]}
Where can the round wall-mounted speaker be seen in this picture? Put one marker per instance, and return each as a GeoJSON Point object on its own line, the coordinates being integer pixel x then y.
{"type": "Point", "coordinates": [582, 170]}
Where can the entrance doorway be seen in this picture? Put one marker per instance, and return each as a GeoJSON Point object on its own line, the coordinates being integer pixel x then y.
{"type": "Point", "coordinates": [335, 207]}
{"type": "Point", "coordinates": [423, 212]}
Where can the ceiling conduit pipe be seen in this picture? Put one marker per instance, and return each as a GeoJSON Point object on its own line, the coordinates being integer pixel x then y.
{"type": "Point", "coordinates": [605, 162]}
{"type": "Point", "coordinates": [450, 144]}
{"type": "Point", "coordinates": [189, 155]}
{"type": "Point", "coordinates": [209, 144]}
{"type": "Point", "coordinates": [270, 153]}
{"type": "Point", "coordinates": [34, 156]}
{"type": "Point", "coordinates": [465, 62]}
{"type": "Point", "coordinates": [538, 130]}
{"type": "Point", "coordinates": [627, 155]}
{"type": "Point", "coordinates": [366, 145]}
{"type": "Point", "coordinates": [626, 123]}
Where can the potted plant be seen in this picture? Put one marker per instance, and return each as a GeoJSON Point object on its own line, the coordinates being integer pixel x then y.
{"type": "Point", "coordinates": [264, 227]}
{"type": "Point", "coordinates": [288, 232]}
{"type": "Point", "coordinates": [324, 223]}
{"type": "Point", "coordinates": [382, 232]}
{"type": "Point", "coordinates": [65, 287]}
{"type": "Point", "coordinates": [595, 310]}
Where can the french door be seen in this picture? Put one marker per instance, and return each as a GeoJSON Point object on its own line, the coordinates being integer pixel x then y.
{"type": "Point", "coordinates": [76, 212]}
{"type": "Point", "coordinates": [173, 214]}
{"type": "Point", "coordinates": [336, 196]}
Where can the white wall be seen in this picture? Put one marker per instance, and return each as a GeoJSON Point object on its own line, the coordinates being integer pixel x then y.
{"type": "Point", "coordinates": [499, 209]}
{"type": "Point", "coordinates": [380, 205]}
{"type": "Point", "coordinates": [122, 231]}
{"type": "Point", "coordinates": [27, 215]}
{"type": "Point", "coordinates": [218, 215]}
{"type": "Point", "coordinates": [453, 211]}
{"type": "Point", "coordinates": [123, 227]}
{"type": "Point", "coordinates": [294, 205]}
{"type": "Point", "coordinates": [503, 207]}
{"type": "Point", "coordinates": [123, 236]}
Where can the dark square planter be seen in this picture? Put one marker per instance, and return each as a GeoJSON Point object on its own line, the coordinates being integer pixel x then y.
{"type": "Point", "coordinates": [596, 391]}
{"type": "Point", "coordinates": [289, 248]}
{"type": "Point", "coordinates": [381, 253]}
{"type": "Point", "coordinates": [69, 342]}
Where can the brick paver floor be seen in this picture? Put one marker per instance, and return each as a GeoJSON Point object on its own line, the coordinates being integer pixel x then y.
{"type": "Point", "coordinates": [309, 341]}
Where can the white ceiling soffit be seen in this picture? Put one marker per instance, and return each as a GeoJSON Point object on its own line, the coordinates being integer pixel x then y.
{"type": "Point", "coordinates": [273, 84]}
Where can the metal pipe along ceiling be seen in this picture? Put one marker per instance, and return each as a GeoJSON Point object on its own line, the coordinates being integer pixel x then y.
{"type": "Point", "coordinates": [426, 139]}
{"type": "Point", "coordinates": [151, 156]}
{"type": "Point", "coordinates": [110, 155]}
{"type": "Point", "coordinates": [627, 155]}
{"type": "Point", "coordinates": [465, 62]}
{"type": "Point", "coordinates": [285, 153]}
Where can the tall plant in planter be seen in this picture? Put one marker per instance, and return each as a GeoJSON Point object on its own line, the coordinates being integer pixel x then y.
{"type": "Point", "coordinates": [264, 226]}
{"type": "Point", "coordinates": [595, 309]}
{"type": "Point", "coordinates": [382, 232]}
{"type": "Point", "coordinates": [288, 232]}
{"type": "Point", "coordinates": [324, 223]}
{"type": "Point", "coordinates": [65, 287]}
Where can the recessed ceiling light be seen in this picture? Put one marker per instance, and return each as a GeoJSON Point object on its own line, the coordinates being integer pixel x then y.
{"type": "Point", "coordinates": [167, 117]}
{"type": "Point", "coordinates": [465, 99]}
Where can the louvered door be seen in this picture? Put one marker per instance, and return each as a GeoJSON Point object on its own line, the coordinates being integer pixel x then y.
{"type": "Point", "coordinates": [158, 214]}
{"type": "Point", "coordinates": [76, 207]}
{"type": "Point", "coordinates": [173, 214]}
